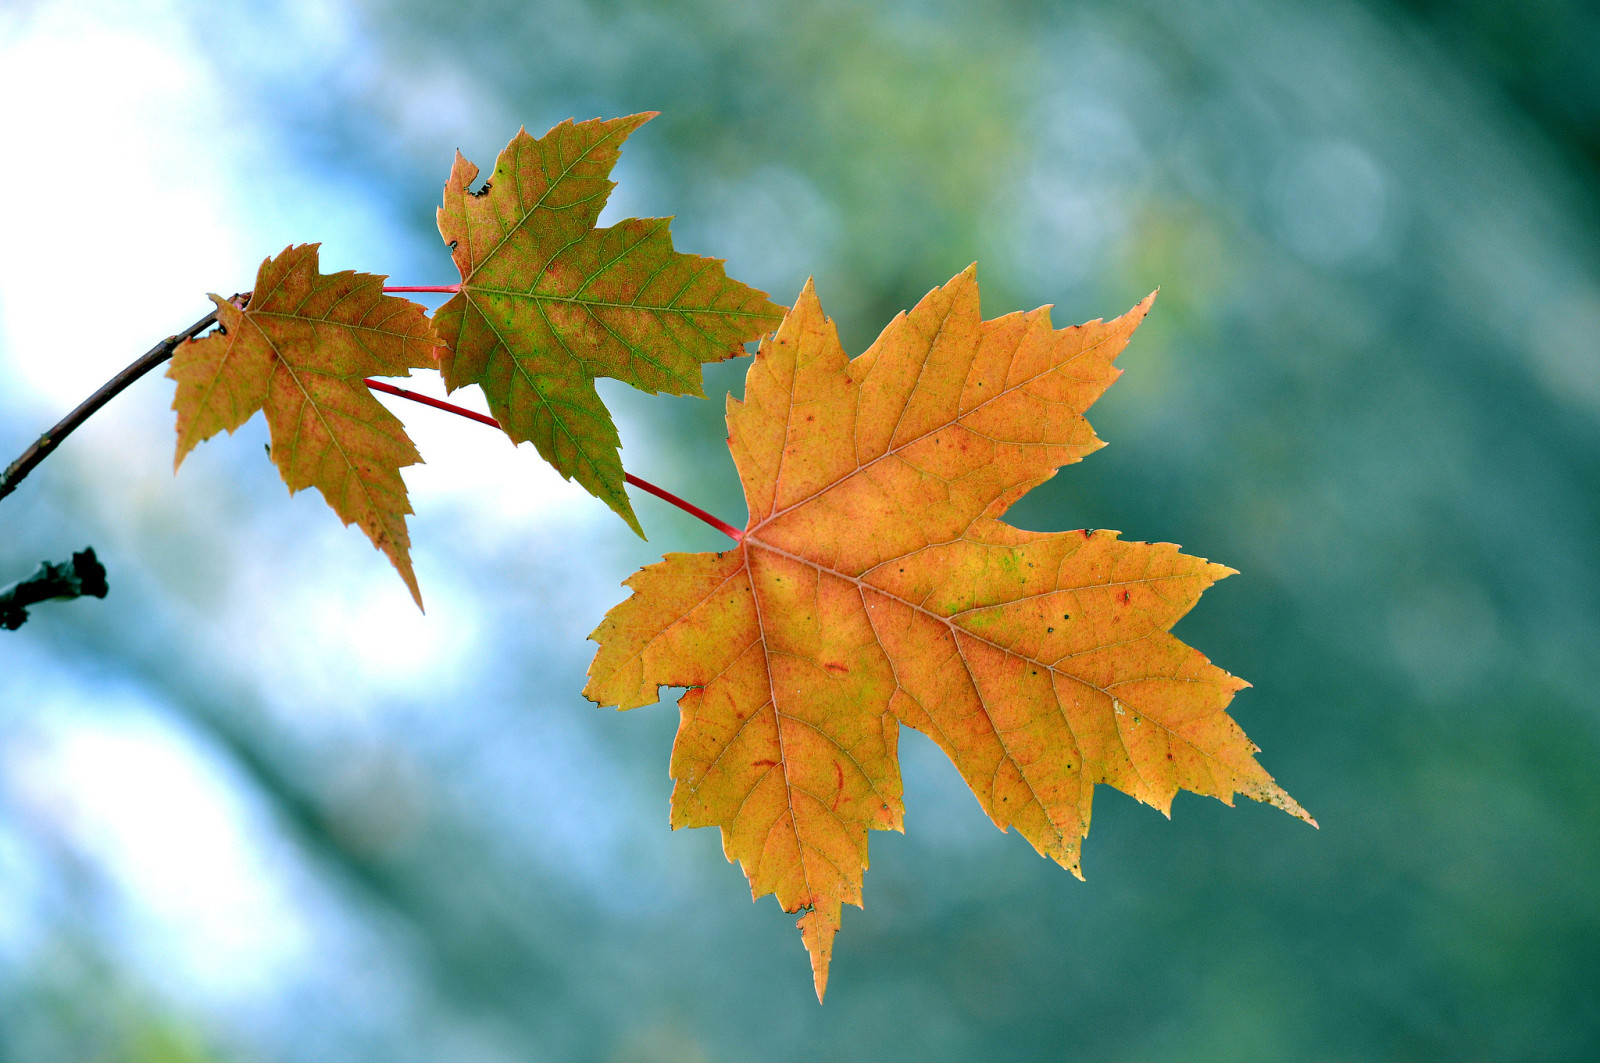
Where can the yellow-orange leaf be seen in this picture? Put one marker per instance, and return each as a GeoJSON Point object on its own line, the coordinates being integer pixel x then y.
{"type": "Point", "coordinates": [876, 585]}
{"type": "Point", "coordinates": [299, 350]}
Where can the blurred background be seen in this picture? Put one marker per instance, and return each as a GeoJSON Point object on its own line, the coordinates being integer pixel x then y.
{"type": "Point", "coordinates": [253, 806]}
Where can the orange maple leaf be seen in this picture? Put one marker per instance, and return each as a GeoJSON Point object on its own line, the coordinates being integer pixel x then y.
{"type": "Point", "coordinates": [299, 350]}
{"type": "Point", "coordinates": [874, 585]}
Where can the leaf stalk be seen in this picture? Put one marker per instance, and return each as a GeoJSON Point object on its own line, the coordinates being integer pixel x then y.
{"type": "Point", "coordinates": [644, 485]}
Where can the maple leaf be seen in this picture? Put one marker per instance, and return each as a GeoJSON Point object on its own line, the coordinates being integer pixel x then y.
{"type": "Point", "coordinates": [299, 350]}
{"type": "Point", "coordinates": [875, 584]}
{"type": "Point", "coordinates": [548, 302]}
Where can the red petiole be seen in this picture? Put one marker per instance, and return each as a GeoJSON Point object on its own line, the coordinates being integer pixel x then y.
{"type": "Point", "coordinates": [644, 485]}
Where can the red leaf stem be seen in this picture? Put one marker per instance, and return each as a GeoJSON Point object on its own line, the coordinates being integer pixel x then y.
{"type": "Point", "coordinates": [427, 400]}
{"type": "Point", "coordinates": [688, 507]}
{"type": "Point", "coordinates": [644, 485]}
{"type": "Point", "coordinates": [452, 288]}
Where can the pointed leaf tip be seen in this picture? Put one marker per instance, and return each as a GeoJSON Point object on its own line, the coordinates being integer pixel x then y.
{"type": "Point", "coordinates": [817, 931]}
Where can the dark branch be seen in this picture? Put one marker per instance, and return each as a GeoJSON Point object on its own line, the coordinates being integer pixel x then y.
{"type": "Point", "coordinates": [83, 576]}
{"type": "Point", "coordinates": [47, 443]}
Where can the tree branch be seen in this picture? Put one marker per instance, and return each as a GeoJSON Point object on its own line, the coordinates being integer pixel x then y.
{"type": "Point", "coordinates": [54, 581]}
{"type": "Point", "coordinates": [47, 443]}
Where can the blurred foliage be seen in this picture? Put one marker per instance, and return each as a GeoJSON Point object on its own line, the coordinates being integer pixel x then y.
{"type": "Point", "coordinates": [1370, 383]}
{"type": "Point", "coordinates": [70, 1006]}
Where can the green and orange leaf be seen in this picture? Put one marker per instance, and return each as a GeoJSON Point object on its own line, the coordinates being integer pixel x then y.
{"type": "Point", "coordinates": [548, 302]}
{"type": "Point", "coordinates": [299, 349]}
{"type": "Point", "coordinates": [875, 585]}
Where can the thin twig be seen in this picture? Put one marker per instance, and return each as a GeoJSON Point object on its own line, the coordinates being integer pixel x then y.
{"type": "Point", "coordinates": [47, 443]}
{"type": "Point", "coordinates": [644, 485]}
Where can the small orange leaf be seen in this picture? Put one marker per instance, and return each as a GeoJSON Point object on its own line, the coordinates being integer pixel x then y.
{"type": "Point", "coordinates": [875, 585]}
{"type": "Point", "coordinates": [299, 350]}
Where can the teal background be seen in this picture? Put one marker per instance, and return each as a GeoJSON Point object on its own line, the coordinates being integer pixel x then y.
{"type": "Point", "coordinates": [252, 807]}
